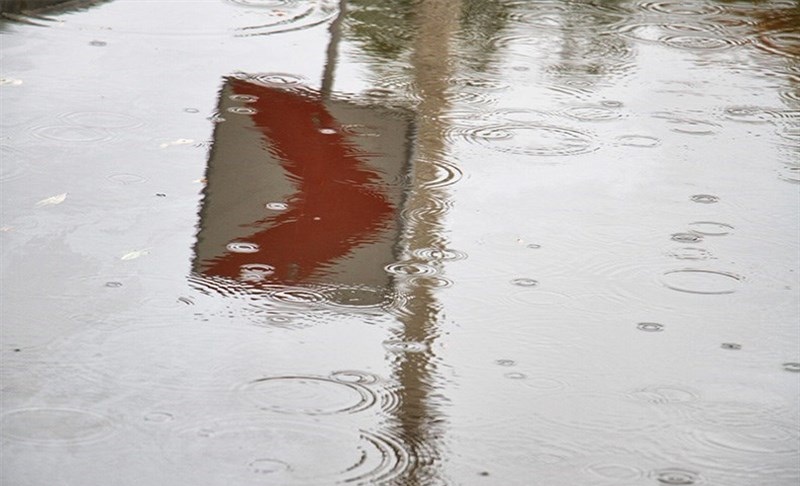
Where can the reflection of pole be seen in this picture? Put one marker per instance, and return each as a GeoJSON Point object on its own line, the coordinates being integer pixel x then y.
{"type": "Point", "coordinates": [330, 56]}
{"type": "Point", "coordinates": [417, 417]}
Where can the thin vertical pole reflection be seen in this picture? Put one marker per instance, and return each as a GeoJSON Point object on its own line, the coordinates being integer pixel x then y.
{"type": "Point", "coordinates": [332, 52]}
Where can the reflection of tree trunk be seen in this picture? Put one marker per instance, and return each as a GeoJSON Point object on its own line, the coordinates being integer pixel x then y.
{"type": "Point", "coordinates": [418, 421]}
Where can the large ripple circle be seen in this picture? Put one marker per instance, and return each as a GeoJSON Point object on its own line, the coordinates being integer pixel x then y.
{"type": "Point", "coordinates": [308, 395]}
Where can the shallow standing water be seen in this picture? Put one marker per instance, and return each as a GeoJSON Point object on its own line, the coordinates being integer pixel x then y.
{"type": "Point", "coordinates": [413, 243]}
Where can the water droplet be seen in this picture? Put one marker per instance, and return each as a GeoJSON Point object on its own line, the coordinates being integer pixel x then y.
{"type": "Point", "coordinates": [525, 282]}
{"type": "Point", "coordinates": [691, 253]}
{"type": "Point", "coordinates": [277, 206]}
{"type": "Point", "coordinates": [615, 471]}
{"type": "Point", "coordinates": [160, 194]}
{"type": "Point", "coordinates": [309, 395]}
{"type": "Point", "coordinates": [411, 268]}
{"type": "Point", "coordinates": [592, 113]}
{"type": "Point", "coordinates": [701, 42]}
{"type": "Point", "coordinates": [664, 394]}
{"type": "Point", "coordinates": [71, 134]}
{"type": "Point", "coordinates": [793, 367]}
{"type": "Point", "coordinates": [191, 110]}
{"type": "Point", "coordinates": [357, 297]}
{"type": "Point", "coordinates": [243, 247]}
{"type": "Point", "coordinates": [710, 228]}
{"type": "Point", "coordinates": [681, 7]}
{"type": "Point", "coordinates": [439, 254]}
{"type": "Point", "coordinates": [650, 326]}
{"type": "Point", "coordinates": [54, 426]}
{"type": "Point", "coordinates": [515, 376]}
{"type": "Point", "coordinates": [278, 79]}
{"type": "Point", "coordinates": [398, 346]}
{"type": "Point", "coordinates": [687, 237]}
{"type": "Point", "coordinates": [641, 141]}
{"type": "Point", "coordinates": [750, 114]}
{"type": "Point", "coordinates": [242, 110]}
{"type": "Point", "coordinates": [214, 118]}
{"type": "Point", "coordinates": [533, 246]}
{"type": "Point", "coordinates": [113, 285]}
{"type": "Point", "coordinates": [158, 417]}
{"type": "Point", "coordinates": [530, 139]}
{"type": "Point", "coordinates": [675, 476]}
{"type": "Point", "coordinates": [255, 272]}
{"type": "Point", "coordinates": [506, 362]}
{"type": "Point", "coordinates": [444, 175]}
{"type": "Point", "coordinates": [244, 98]}
{"type": "Point", "coordinates": [697, 281]}
{"type": "Point", "coordinates": [102, 119]}
{"type": "Point", "coordinates": [327, 131]}
{"type": "Point", "coordinates": [431, 281]}
{"type": "Point", "coordinates": [354, 376]}
{"type": "Point", "coordinates": [298, 296]}
{"type": "Point", "coordinates": [378, 93]}
{"type": "Point", "coordinates": [126, 179]}
{"type": "Point", "coordinates": [679, 123]}
{"type": "Point", "coordinates": [705, 198]}
{"type": "Point", "coordinates": [268, 466]}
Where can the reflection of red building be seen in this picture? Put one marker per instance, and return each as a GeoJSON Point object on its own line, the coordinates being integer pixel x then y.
{"type": "Point", "coordinates": [337, 168]}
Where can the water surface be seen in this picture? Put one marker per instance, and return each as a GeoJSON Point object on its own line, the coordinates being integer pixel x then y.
{"type": "Point", "coordinates": [412, 243]}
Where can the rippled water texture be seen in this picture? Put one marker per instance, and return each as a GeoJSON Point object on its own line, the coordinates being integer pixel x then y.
{"type": "Point", "coordinates": [417, 242]}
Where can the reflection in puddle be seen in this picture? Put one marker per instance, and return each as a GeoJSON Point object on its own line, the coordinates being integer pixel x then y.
{"type": "Point", "coordinates": [498, 240]}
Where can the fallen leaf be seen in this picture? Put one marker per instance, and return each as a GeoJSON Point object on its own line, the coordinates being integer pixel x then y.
{"type": "Point", "coordinates": [52, 201]}
{"type": "Point", "coordinates": [135, 254]}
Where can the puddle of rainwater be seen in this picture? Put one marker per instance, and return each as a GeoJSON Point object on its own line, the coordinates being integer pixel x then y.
{"type": "Point", "coordinates": [319, 241]}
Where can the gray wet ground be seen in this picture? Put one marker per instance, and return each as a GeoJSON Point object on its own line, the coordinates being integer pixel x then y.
{"type": "Point", "coordinates": [414, 243]}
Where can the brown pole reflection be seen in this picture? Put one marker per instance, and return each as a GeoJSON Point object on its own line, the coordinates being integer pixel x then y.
{"type": "Point", "coordinates": [419, 419]}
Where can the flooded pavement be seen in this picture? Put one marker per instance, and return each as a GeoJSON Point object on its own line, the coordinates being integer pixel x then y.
{"type": "Point", "coordinates": [412, 243]}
